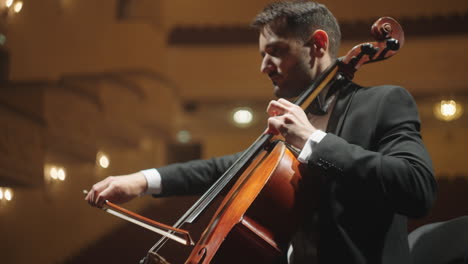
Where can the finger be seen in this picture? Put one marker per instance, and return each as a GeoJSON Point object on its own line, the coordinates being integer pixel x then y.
{"type": "Point", "coordinates": [275, 108]}
{"type": "Point", "coordinates": [285, 102]}
{"type": "Point", "coordinates": [286, 105]}
{"type": "Point", "coordinates": [290, 106]}
{"type": "Point", "coordinates": [90, 199]}
{"type": "Point", "coordinates": [97, 189]}
{"type": "Point", "coordinates": [88, 194]}
{"type": "Point", "coordinates": [271, 127]}
{"type": "Point", "coordinates": [100, 186]}
{"type": "Point", "coordinates": [289, 119]}
{"type": "Point", "coordinates": [295, 110]}
{"type": "Point", "coordinates": [271, 110]}
{"type": "Point", "coordinates": [103, 197]}
{"type": "Point", "coordinates": [273, 124]}
{"type": "Point", "coordinates": [92, 194]}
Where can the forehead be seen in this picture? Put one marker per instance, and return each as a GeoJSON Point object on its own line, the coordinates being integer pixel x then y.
{"type": "Point", "coordinates": [269, 38]}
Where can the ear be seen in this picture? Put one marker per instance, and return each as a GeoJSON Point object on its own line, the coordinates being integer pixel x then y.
{"type": "Point", "coordinates": [319, 43]}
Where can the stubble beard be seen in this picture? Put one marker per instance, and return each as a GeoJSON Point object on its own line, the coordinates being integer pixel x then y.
{"type": "Point", "coordinates": [290, 89]}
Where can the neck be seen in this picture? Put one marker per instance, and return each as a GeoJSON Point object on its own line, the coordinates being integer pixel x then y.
{"type": "Point", "coordinates": [321, 65]}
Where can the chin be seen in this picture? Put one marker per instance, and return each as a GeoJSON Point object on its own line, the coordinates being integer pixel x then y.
{"type": "Point", "coordinates": [281, 93]}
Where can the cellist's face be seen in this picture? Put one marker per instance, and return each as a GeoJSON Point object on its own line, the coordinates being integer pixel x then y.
{"type": "Point", "coordinates": [287, 62]}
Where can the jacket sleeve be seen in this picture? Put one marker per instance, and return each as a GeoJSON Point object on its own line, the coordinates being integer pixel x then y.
{"type": "Point", "coordinates": [397, 172]}
{"type": "Point", "coordinates": [193, 177]}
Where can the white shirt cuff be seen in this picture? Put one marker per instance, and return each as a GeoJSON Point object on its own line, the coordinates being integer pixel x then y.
{"type": "Point", "coordinates": [153, 178]}
{"type": "Point", "coordinates": [313, 140]}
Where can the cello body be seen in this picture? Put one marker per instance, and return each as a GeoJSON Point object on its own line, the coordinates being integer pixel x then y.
{"type": "Point", "coordinates": [260, 213]}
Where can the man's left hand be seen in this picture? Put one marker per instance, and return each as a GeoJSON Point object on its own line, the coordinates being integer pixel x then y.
{"type": "Point", "coordinates": [290, 121]}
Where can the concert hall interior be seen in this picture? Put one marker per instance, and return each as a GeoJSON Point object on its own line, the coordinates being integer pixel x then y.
{"type": "Point", "coordinates": [97, 88]}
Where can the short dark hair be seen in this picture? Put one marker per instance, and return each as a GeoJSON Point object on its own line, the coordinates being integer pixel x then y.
{"type": "Point", "coordinates": [299, 19]}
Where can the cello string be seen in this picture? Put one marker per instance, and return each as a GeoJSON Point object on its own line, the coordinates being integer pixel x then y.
{"type": "Point", "coordinates": [216, 188]}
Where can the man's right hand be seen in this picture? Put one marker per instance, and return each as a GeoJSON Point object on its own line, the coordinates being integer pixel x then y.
{"type": "Point", "coordinates": [117, 189]}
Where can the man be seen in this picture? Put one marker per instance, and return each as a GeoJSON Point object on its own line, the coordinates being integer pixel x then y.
{"type": "Point", "coordinates": [363, 144]}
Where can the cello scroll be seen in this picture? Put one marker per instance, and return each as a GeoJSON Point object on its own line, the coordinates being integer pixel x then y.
{"type": "Point", "coordinates": [389, 38]}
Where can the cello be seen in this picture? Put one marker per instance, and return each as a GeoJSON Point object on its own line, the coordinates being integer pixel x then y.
{"type": "Point", "coordinates": [262, 208]}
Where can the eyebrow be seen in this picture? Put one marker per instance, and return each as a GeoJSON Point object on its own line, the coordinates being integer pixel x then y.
{"type": "Point", "coordinates": [277, 44]}
{"type": "Point", "coordinates": [274, 44]}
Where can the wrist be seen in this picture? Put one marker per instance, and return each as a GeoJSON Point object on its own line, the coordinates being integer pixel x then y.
{"type": "Point", "coordinates": [153, 181]}
{"type": "Point", "coordinates": [141, 183]}
{"type": "Point", "coordinates": [309, 146]}
{"type": "Point", "coordinates": [306, 137]}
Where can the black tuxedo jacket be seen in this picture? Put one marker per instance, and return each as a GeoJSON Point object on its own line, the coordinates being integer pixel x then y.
{"type": "Point", "coordinates": [375, 170]}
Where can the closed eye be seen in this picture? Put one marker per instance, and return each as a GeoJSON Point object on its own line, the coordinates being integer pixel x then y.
{"type": "Point", "coordinates": [277, 49]}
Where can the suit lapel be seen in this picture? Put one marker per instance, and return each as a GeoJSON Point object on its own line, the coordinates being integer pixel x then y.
{"type": "Point", "coordinates": [345, 95]}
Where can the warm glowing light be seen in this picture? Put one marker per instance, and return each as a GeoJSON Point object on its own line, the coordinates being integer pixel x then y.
{"type": "Point", "coordinates": [184, 136]}
{"type": "Point", "coordinates": [104, 161]}
{"type": "Point", "coordinates": [8, 194]}
{"type": "Point", "coordinates": [1, 194]}
{"type": "Point", "coordinates": [54, 173]}
{"type": "Point", "coordinates": [61, 174]}
{"type": "Point", "coordinates": [8, 3]}
{"type": "Point", "coordinates": [242, 116]}
{"type": "Point", "coordinates": [18, 6]}
{"type": "Point", "coordinates": [448, 110]}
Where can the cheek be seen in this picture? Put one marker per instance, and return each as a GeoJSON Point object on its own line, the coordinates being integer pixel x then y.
{"type": "Point", "coordinates": [299, 69]}
{"type": "Point", "coordinates": [279, 64]}
{"type": "Point", "coordinates": [287, 66]}
{"type": "Point", "coordinates": [305, 58]}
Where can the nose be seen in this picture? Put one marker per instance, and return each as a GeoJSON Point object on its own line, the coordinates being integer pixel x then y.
{"type": "Point", "coordinates": [267, 65]}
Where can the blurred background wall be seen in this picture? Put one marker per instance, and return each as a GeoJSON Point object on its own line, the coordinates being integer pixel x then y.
{"type": "Point", "coordinates": [97, 88]}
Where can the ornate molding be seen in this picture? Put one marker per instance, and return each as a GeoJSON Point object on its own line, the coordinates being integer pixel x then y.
{"type": "Point", "coordinates": [78, 79]}
{"type": "Point", "coordinates": [79, 82]}
{"type": "Point", "coordinates": [437, 25]}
